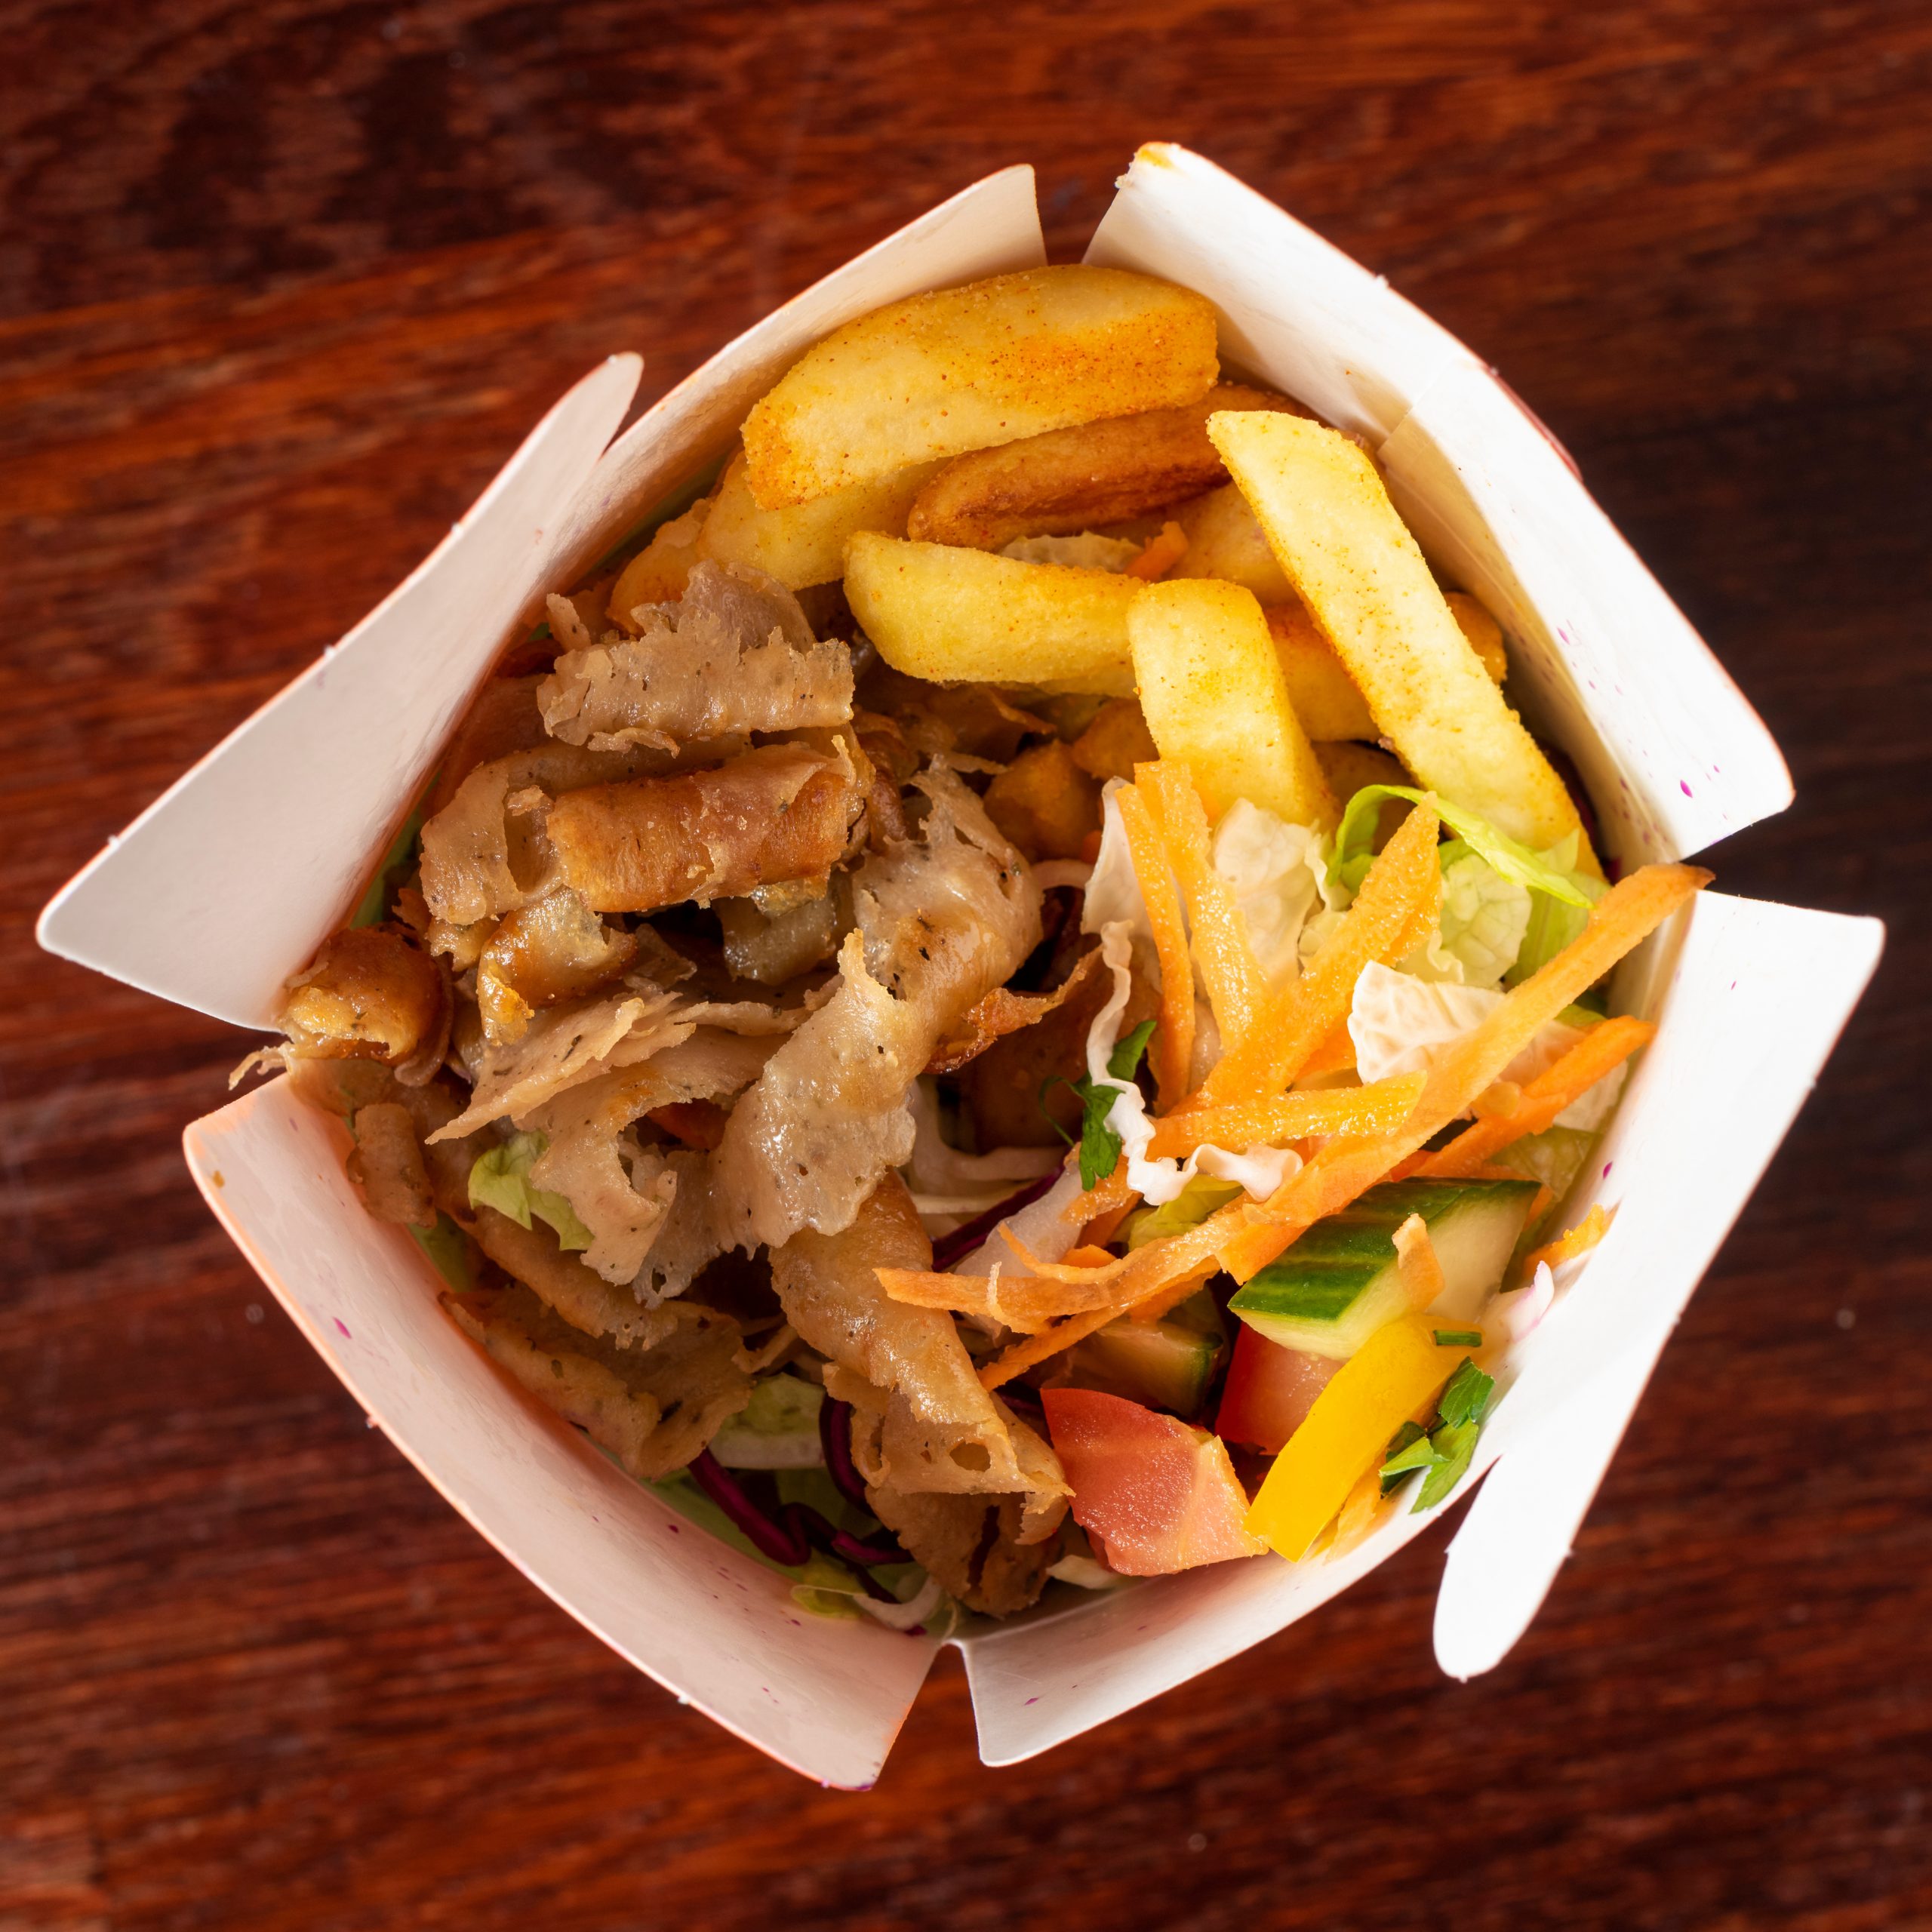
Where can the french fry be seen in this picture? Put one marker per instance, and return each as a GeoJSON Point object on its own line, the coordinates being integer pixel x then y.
{"type": "Point", "coordinates": [1326, 699]}
{"type": "Point", "coordinates": [1212, 689]}
{"type": "Point", "coordinates": [658, 572]}
{"type": "Point", "coordinates": [1044, 803]}
{"type": "Point", "coordinates": [1228, 969]}
{"type": "Point", "coordinates": [969, 368]}
{"type": "Point", "coordinates": [1598, 1053]}
{"type": "Point", "coordinates": [1300, 1016]}
{"type": "Point", "coordinates": [1364, 579]}
{"type": "Point", "coordinates": [805, 544]}
{"type": "Point", "coordinates": [1323, 695]}
{"type": "Point", "coordinates": [1225, 540]}
{"type": "Point", "coordinates": [1082, 478]}
{"type": "Point", "coordinates": [1483, 633]}
{"type": "Point", "coordinates": [1172, 1051]}
{"type": "Point", "coordinates": [1116, 742]}
{"type": "Point", "coordinates": [1345, 1166]}
{"type": "Point", "coordinates": [1376, 1108]}
{"type": "Point", "coordinates": [948, 614]}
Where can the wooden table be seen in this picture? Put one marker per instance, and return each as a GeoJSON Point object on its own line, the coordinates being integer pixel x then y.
{"type": "Point", "coordinates": [283, 283]}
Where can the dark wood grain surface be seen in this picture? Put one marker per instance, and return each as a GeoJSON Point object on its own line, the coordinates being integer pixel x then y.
{"type": "Point", "coordinates": [280, 282]}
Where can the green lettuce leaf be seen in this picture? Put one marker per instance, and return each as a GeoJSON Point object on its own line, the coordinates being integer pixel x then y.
{"type": "Point", "coordinates": [1202, 1196]}
{"type": "Point", "coordinates": [500, 1179]}
{"type": "Point", "coordinates": [1502, 854]}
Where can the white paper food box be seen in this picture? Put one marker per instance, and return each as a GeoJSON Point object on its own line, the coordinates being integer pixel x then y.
{"type": "Point", "coordinates": [224, 887]}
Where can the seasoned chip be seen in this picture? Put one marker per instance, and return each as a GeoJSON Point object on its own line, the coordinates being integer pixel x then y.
{"type": "Point", "coordinates": [1365, 582]}
{"type": "Point", "coordinates": [1212, 688]}
{"type": "Point", "coordinates": [942, 613]}
{"type": "Point", "coordinates": [1116, 742]}
{"type": "Point", "coordinates": [1044, 803]}
{"type": "Point", "coordinates": [1226, 540]}
{"type": "Point", "coordinates": [966, 368]}
{"type": "Point", "coordinates": [804, 544]}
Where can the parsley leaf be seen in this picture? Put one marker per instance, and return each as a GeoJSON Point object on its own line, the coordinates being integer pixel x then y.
{"type": "Point", "coordinates": [1453, 1444]}
{"type": "Point", "coordinates": [1466, 1398]}
{"type": "Point", "coordinates": [1100, 1145]}
{"type": "Point", "coordinates": [1445, 1451]}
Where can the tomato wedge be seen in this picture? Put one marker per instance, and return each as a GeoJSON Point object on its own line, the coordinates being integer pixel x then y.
{"type": "Point", "coordinates": [1270, 1390]}
{"type": "Point", "coordinates": [1154, 1495]}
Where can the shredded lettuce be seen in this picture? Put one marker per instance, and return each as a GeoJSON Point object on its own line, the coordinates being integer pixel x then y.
{"type": "Point", "coordinates": [1555, 923]}
{"type": "Point", "coordinates": [776, 1429]}
{"type": "Point", "coordinates": [1484, 917]}
{"type": "Point", "coordinates": [448, 1252]}
{"type": "Point", "coordinates": [1202, 1196]}
{"type": "Point", "coordinates": [1277, 872]}
{"type": "Point", "coordinates": [1100, 1145]}
{"type": "Point", "coordinates": [1537, 871]}
{"type": "Point", "coordinates": [500, 1179]}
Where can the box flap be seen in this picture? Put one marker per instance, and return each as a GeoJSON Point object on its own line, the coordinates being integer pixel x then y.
{"type": "Point", "coordinates": [229, 881]}
{"type": "Point", "coordinates": [825, 1696]}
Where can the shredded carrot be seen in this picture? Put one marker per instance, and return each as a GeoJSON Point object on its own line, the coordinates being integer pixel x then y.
{"type": "Point", "coordinates": [1105, 1225]}
{"type": "Point", "coordinates": [1584, 1236]}
{"type": "Point", "coordinates": [1300, 1017]}
{"type": "Point", "coordinates": [1350, 1164]}
{"type": "Point", "coordinates": [1335, 1054]}
{"type": "Point", "coordinates": [1163, 551]}
{"type": "Point", "coordinates": [1165, 1300]}
{"type": "Point", "coordinates": [1371, 1109]}
{"type": "Point", "coordinates": [1599, 1052]}
{"type": "Point", "coordinates": [1228, 969]}
{"type": "Point", "coordinates": [1417, 1264]}
{"type": "Point", "coordinates": [1172, 1050]}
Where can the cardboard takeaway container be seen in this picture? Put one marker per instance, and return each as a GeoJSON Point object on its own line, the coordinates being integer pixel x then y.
{"type": "Point", "coordinates": [223, 887]}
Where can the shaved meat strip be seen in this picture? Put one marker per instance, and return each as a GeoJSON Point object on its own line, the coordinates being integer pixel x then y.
{"type": "Point", "coordinates": [564, 1046]}
{"type": "Point", "coordinates": [735, 656]}
{"type": "Point", "coordinates": [941, 1431]}
{"type": "Point", "coordinates": [781, 813]}
{"type": "Point", "coordinates": [502, 718]}
{"type": "Point", "coordinates": [368, 995]}
{"type": "Point", "coordinates": [653, 1409]}
{"type": "Point", "coordinates": [626, 1196]}
{"type": "Point", "coordinates": [484, 854]}
{"type": "Point", "coordinates": [943, 920]}
{"type": "Point", "coordinates": [1001, 1012]}
{"type": "Point", "coordinates": [552, 950]}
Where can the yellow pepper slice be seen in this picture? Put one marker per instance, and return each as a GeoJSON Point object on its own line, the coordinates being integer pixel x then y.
{"type": "Point", "coordinates": [1394, 1374]}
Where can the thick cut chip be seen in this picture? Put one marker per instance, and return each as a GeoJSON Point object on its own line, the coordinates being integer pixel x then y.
{"type": "Point", "coordinates": [781, 813]}
{"type": "Point", "coordinates": [1215, 699]}
{"type": "Point", "coordinates": [1324, 697]}
{"type": "Point", "coordinates": [1225, 540]}
{"type": "Point", "coordinates": [804, 544]}
{"type": "Point", "coordinates": [1365, 582]}
{"type": "Point", "coordinates": [966, 368]}
{"type": "Point", "coordinates": [1350, 768]}
{"type": "Point", "coordinates": [1071, 480]}
{"type": "Point", "coordinates": [1044, 803]}
{"type": "Point", "coordinates": [948, 614]}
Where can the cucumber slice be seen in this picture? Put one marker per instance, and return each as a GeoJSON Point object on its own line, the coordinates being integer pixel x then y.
{"type": "Point", "coordinates": [1166, 1364]}
{"type": "Point", "coordinates": [1339, 1282]}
